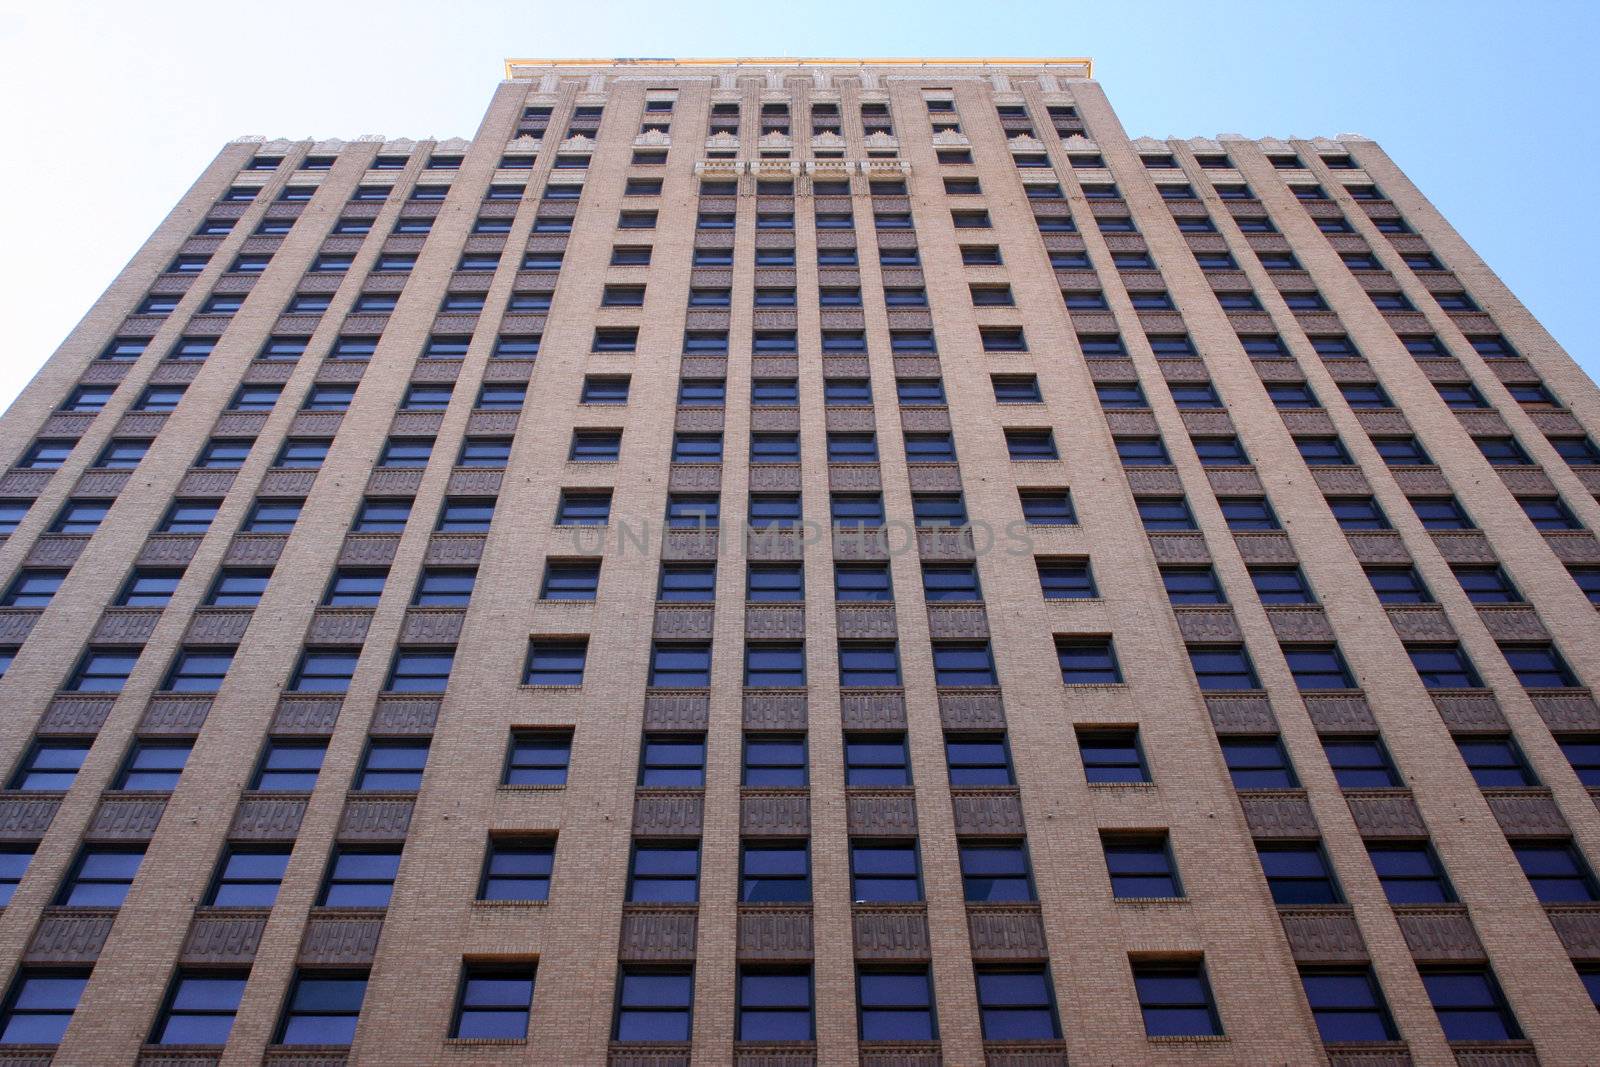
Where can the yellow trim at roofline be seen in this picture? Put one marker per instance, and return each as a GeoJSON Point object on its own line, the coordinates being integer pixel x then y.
{"type": "Point", "coordinates": [770, 61]}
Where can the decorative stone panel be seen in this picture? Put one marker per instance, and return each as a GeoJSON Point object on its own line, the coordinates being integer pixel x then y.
{"type": "Point", "coordinates": [26, 816]}
{"type": "Point", "coordinates": [971, 709]}
{"type": "Point", "coordinates": [175, 714]}
{"type": "Point", "coordinates": [1467, 711]}
{"type": "Point", "coordinates": [774, 933]}
{"type": "Point", "coordinates": [1179, 548]}
{"type": "Point", "coordinates": [1385, 813]}
{"type": "Point", "coordinates": [1278, 813]}
{"type": "Point", "coordinates": [432, 626]}
{"type": "Point", "coordinates": [677, 709]}
{"type": "Point", "coordinates": [881, 814]}
{"type": "Point", "coordinates": [775, 709]}
{"type": "Point", "coordinates": [872, 709]}
{"type": "Point", "coordinates": [405, 716]}
{"type": "Point", "coordinates": [68, 936]}
{"type": "Point", "coordinates": [222, 937]}
{"type": "Point", "coordinates": [1340, 712]}
{"type": "Point", "coordinates": [1243, 712]}
{"type": "Point", "coordinates": [1207, 623]}
{"type": "Point", "coordinates": [774, 621]}
{"type": "Point", "coordinates": [455, 550]}
{"type": "Point", "coordinates": [1439, 933]}
{"type": "Point", "coordinates": [75, 715]}
{"type": "Point", "coordinates": [658, 933]}
{"type": "Point", "coordinates": [1566, 710]}
{"type": "Point", "coordinates": [1323, 935]}
{"type": "Point", "coordinates": [774, 814]}
{"type": "Point", "coordinates": [375, 819]}
{"type": "Point", "coordinates": [683, 622]}
{"type": "Point", "coordinates": [126, 818]}
{"type": "Point", "coordinates": [1527, 812]}
{"type": "Point", "coordinates": [987, 812]}
{"type": "Point", "coordinates": [1265, 547]}
{"type": "Point", "coordinates": [1006, 933]}
{"type": "Point", "coordinates": [342, 939]}
{"type": "Point", "coordinates": [1420, 622]}
{"type": "Point", "coordinates": [890, 933]}
{"type": "Point", "coordinates": [667, 814]}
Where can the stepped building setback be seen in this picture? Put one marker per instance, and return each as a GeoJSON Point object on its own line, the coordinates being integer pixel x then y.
{"type": "Point", "coordinates": [801, 562]}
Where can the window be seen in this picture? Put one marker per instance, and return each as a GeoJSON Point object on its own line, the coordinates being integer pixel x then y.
{"type": "Point", "coordinates": [1360, 763]}
{"type": "Point", "coordinates": [876, 761]}
{"type": "Point", "coordinates": [1496, 762]}
{"type": "Point", "coordinates": [100, 878]}
{"type": "Point", "coordinates": [1047, 507]}
{"type": "Point", "coordinates": [1539, 666]}
{"type": "Point", "coordinates": [1026, 444]}
{"type": "Point", "coordinates": [775, 873]}
{"type": "Point", "coordinates": [1193, 395]}
{"type": "Point", "coordinates": [46, 454]}
{"type": "Point", "coordinates": [153, 766]}
{"type": "Point", "coordinates": [884, 872]}
{"type": "Point", "coordinates": [323, 672]}
{"type": "Point", "coordinates": [1470, 1005]}
{"type": "Point", "coordinates": [94, 397]}
{"type": "Point", "coordinates": [493, 1002]}
{"type": "Point", "coordinates": [775, 1004]}
{"type": "Point", "coordinates": [40, 1005]}
{"type": "Point", "coordinates": [978, 760]}
{"type": "Point", "coordinates": [1444, 667]}
{"type": "Point", "coordinates": [1016, 1004]}
{"type": "Point", "coordinates": [862, 581]}
{"type": "Point", "coordinates": [1112, 756]}
{"type": "Point", "coordinates": [122, 454]}
{"type": "Point", "coordinates": [678, 665]}
{"type": "Point", "coordinates": [1258, 763]}
{"type": "Point", "coordinates": [1142, 452]}
{"type": "Point", "coordinates": [1557, 872]}
{"type": "Point", "coordinates": [197, 671]}
{"type": "Point", "coordinates": [1066, 579]}
{"type": "Point", "coordinates": [1298, 874]}
{"type": "Point", "coordinates": [1488, 585]}
{"type": "Point", "coordinates": [595, 446]}
{"type": "Point", "coordinates": [1318, 666]}
{"type": "Point", "coordinates": [1347, 1005]}
{"type": "Point", "coordinates": [1175, 999]}
{"type": "Point", "coordinates": [360, 878]}
{"type": "Point", "coordinates": [248, 877]}
{"type": "Point", "coordinates": [420, 671]}
{"type": "Point", "coordinates": [692, 510]}
{"type": "Point", "coordinates": [869, 663]}
{"type": "Point", "coordinates": [576, 508]}
{"type": "Point", "coordinates": [1140, 867]}
{"type": "Point", "coordinates": [678, 761]}
{"type": "Point", "coordinates": [654, 1004]}
{"type": "Point", "coordinates": [963, 664]}
{"type": "Point", "coordinates": [76, 516]}
{"type": "Point", "coordinates": [765, 582]}
{"type": "Point", "coordinates": [32, 589]}
{"type": "Point", "coordinates": [896, 1005]}
{"type": "Point", "coordinates": [615, 339]}
{"type": "Point", "coordinates": [1087, 661]}
{"type": "Point", "coordinates": [1016, 389]}
{"type": "Point", "coordinates": [1165, 513]}
{"type": "Point", "coordinates": [1365, 395]}
{"type": "Point", "coordinates": [774, 511]}
{"type": "Point", "coordinates": [1584, 755]}
{"type": "Point", "coordinates": [995, 872]}
{"type": "Point", "coordinates": [406, 452]}
{"type": "Point", "coordinates": [355, 588]}
{"type": "Point", "coordinates": [289, 766]}
{"type": "Point", "coordinates": [774, 761]}
{"type": "Point", "coordinates": [50, 766]}
{"type": "Point", "coordinates": [1220, 451]}
{"type": "Point", "coordinates": [774, 664]}
{"type": "Point", "coordinates": [1192, 585]}
{"type": "Point", "coordinates": [1437, 513]}
{"type": "Point", "coordinates": [1410, 873]}
{"type": "Point", "coordinates": [322, 1009]}
{"type": "Point", "coordinates": [1548, 513]}
{"type": "Point", "coordinates": [1322, 451]}
{"type": "Point", "coordinates": [200, 1008]}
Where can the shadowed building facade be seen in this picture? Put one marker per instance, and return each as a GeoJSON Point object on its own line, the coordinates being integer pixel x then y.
{"type": "Point", "coordinates": [801, 561]}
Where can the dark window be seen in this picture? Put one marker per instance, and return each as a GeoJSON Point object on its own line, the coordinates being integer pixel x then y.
{"type": "Point", "coordinates": [1539, 666]}
{"type": "Point", "coordinates": [777, 664]}
{"type": "Point", "coordinates": [774, 761]}
{"type": "Point", "coordinates": [1502, 451]}
{"type": "Point", "coordinates": [1142, 452]}
{"type": "Point", "coordinates": [1066, 579]}
{"type": "Point", "coordinates": [1120, 395]}
{"type": "Point", "coordinates": [1470, 1005]}
{"type": "Point", "coordinates": [418, 670]}
{"type": "Point", "coordinates": [1360, 763]}
{"type": "Point", "coordinates": [862, 581]}
{"type": "Point", "coordinates": [1365, 395]}
{"type": "Point", "coordinates": [382, 516]}
{"type": "Point", "coordinates": [1025, 444]}
{"type": "Point", "coordinates": [360, 878]}
{"type": "Point", "coordinates": [1016, 1004]}
{"type": "Point", "coordinates": [322, 1009]}
{"type": "Point", "coordinates": [676, 665]}
{"type": "Point", "coordinates": [573, 579]}
{"type": "Point", "coordinates": [1318, 667]}
{"type": "Point", "coordinates": [1410, 873]}
{"type": "Point", "coordinates": [40, 1005]}
{"type": "Point", "coordinates": [100, 878]}
{"type": "Point", "coordinates": [896, 1005]}
{"type": "Point", "coordinates": [595, 446]}
{"type": "Point", "coordinates": [876, 761]}
{"type": "Point", "coordinates": [1323, 451]}
{"type": "Point", "coordinates": [494, 1001]}
{"type": "Point", "coordinates": [1165, 513]}
{"type": "Point", "coordinates": [154, 766]}
{"type": "Point", "coordinates": [1175, 1000]}
{"type": "Point", "coordinates": [355, 588]}
{"type": "Point", "coordinates": [1548, 513]}
{"type": "Point", "coordinates": [775, 1004]}
{"type": "Point", "coordinates": [1298, 874]}
{"type": "Point", "coordinates": [34, 588]}
{"type": "Point", "coordinates": [556, 661]}
{"type": "Point", "coordinates": [884, 872]}
{"type": "Point", "coordinates": [248, 877]}
{"type": "Point", "coordinates": [978, 760]}
{"type": "Point", "coordinates": [1496, 762]}
{"type": "Point", "coordinates": [1047, 507]}
{"type": "Point", "coordinates": [516, 870]}
{"type": "Point", "coordinates": [392, 765]}
{"type": "Point", "coordinates": [1281, 585]}
{"type": "Point", "coordinates": [774, 873]}
{"type": "Point", "coordinates": [692, 510]}
{"type": "Point", "coordinates": [1220, 451]}
{"type": "Point", "coordinates": [1557, 872]}
{"type": "Point", "coordinates": [1016, 389]}
{"type": "Point", "coordinates": [1584, 755]}
{"type": "Point", "coordinates": [1140, 866]}
{"type": "Point", "coordinates": [664, 874]}
{"type": "Point", "coordinates": [103, 670]}
{"type": "Point", "coordinates": [50, 766]}
{"type": "Point", "coordinates": [1488, 584]}
{"type": "Point", "coordinates": [995, 872]}
{"type": "Point", "coordinates": [1444, 667]}
{"type": "Point", "coordinates": [1348, 1005]}
{"type": "Point", "coordinates": [576, 508]}
{"type": "Point", "coordinates": [1440, 513]}
{"type": "Point", "coordinates": [869, 664]}
{"type": "Point", "coordinates": [1112, 756]}
{"type": "Point", "coordinates": [1258, 763]}
{"type": "Point", "coordinates": [198, 671]}
{"type": "Point", "coordinates": [75, 517]}
{"type": "Point", "coordinates": [1192, 585]}
{"type": "Point", "coordinates": [537, 758]}
{"type": "Point", "coordinates": [783, 582]}
{"type": "Point", "coordinates": [289, 766]}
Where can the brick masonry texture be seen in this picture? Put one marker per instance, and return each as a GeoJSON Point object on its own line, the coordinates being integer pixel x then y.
{"type": "Point", "coordinates": [1405, 304]}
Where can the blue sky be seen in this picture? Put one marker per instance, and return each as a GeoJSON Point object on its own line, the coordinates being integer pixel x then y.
{"type": "Point", "coordinates": [115, 107]}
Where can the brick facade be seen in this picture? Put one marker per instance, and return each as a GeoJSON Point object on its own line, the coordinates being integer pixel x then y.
{"type": "Point", "coordinates": [1292, 701]}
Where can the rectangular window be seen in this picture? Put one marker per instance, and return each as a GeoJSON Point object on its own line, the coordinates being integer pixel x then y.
{"type": "Point", "coordinates": [654, 1004]}
{"type": "Point", "coordinates": [778, 664]}
{"type": "Point", "coordinates": [322, 1009]}
{"type": "Point", "coordinates": [154, 766]}
{"type": "Point", "coordinates": [1087, 661]}
{"type": "Point", "coordinates": [774, 761]}
{"type": "Point", "coordinates": [1047, 507]}
{"type": "Point", "coordinates": [1140, 866]}
{"type": "Point", "coordinates": [876, 761]}
{"type": "Point", "coordinates": [773, 582]}
{"type": "Point", "coordinates": [248, 877]}
{"type": "Point", "coordinates": [691, 582]}
{"type": "Point", "coordinates": [50, 766]}
{"type": "Point", "coordinates": [289, 766]}
{"type": "Point", "coordinates": [1258, 763]}
{"type": "Point", "coordinates": [1111, 755]}
{"type": "Point", "coordinates": [100, 878]}
{"type": "Point", "coordinates": [1470, 1005]}
{"type": "Point", "coordinates": [949, 581]}
{"type": "Point", "coordinates": [869, 663]}
{"type": "Point", "coordinates": [978, 760]}
{"type": "Point", "coordinates": [494, 1002]}
{"type": "Point", "coordinates": [678, 665]}
{"type": "Point", "coordinates": [40, 1005]}
{"type": "Point", "coordinates": [775, 1004]}
{"type": "Point", "coordinates": [1016, 1004]}
{"type": "Point", "coordinates": [1175, 999]}
{"type": "Point", "coordinates": [775, 873]}
{"type": "Point", "coordinates": [1065, 579]}
{"type": "Point", "coordinates": [577, 579]}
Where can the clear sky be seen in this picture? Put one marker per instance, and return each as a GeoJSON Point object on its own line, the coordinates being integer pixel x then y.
{"type": "Point", "coordinates": [114, 107]}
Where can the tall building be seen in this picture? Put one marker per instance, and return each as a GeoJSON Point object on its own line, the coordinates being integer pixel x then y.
{"type": "Point", "coordinates": [787, 562]}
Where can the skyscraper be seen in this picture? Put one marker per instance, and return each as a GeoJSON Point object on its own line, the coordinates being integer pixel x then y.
{"type": "Point", "coordinates": [802, 561]}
